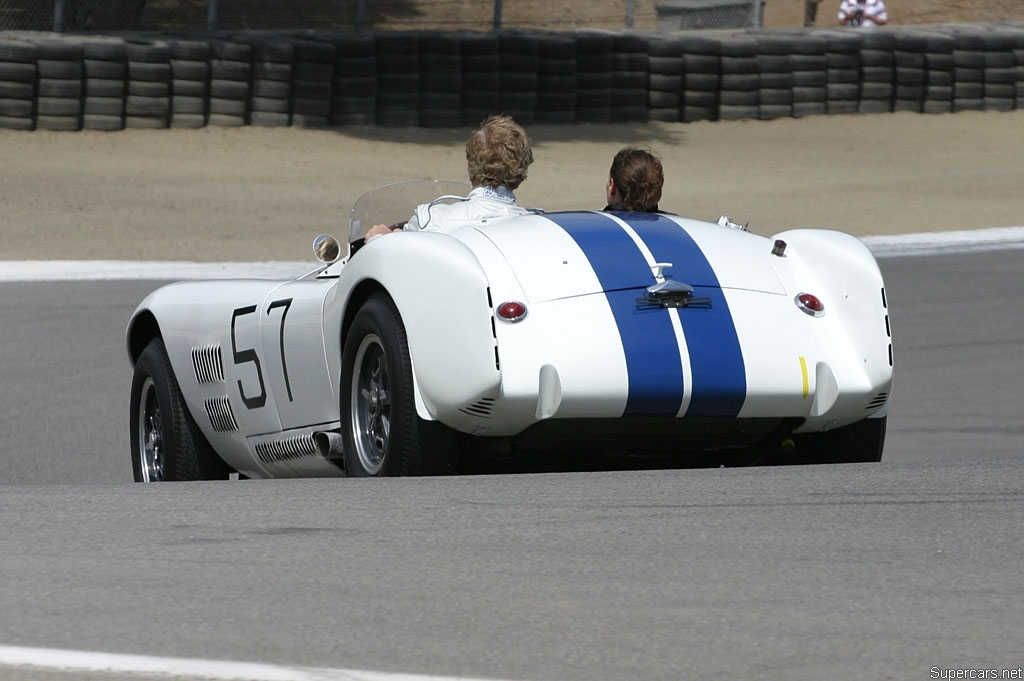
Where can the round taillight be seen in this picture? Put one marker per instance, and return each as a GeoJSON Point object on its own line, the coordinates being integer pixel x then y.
{"type": "Point", "coordinates": [809, 303]}
{"type": "Point", "coordinates": [512, 311]}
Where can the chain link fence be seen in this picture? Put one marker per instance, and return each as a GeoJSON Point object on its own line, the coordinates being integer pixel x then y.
{"type": "Point", "coordinates": [84, 16]}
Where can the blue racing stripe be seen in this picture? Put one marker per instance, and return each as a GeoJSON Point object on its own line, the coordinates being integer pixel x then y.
{"type": "Point", "coordinates": [716, 360]}
{"type": "Point", "coordinates": [652, 354]}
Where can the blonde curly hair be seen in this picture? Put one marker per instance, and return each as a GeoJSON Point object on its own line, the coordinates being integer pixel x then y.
{"type": "Point", "coordinates": [498, 153]}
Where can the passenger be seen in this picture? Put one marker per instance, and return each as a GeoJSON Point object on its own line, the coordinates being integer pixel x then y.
{"type": "Point", "coordinates": [498, 155]}
{"type": "Point", "coordinates": [635, 181]}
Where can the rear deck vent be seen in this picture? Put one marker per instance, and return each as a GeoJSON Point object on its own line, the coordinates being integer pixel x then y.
{"type": "Point", "coordinates": [878, 401]}
{"type": "Point", "coordinates": [221, 416]}
{"type": "Point", "coordinates": [208, 364]}
{"type": "Point", "coordinates": [287, 449]}
{"type": "Point", "coordinates": [480, 408]}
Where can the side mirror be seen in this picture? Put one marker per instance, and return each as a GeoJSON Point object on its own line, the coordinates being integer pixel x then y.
{"type": "Point", "coordinates": [326, 248]}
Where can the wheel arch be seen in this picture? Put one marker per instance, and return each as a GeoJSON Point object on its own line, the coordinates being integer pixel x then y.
{"type": "Point", "coordinates": [142, 329]}
{"type": "Point", "coordinates": [442, 295]}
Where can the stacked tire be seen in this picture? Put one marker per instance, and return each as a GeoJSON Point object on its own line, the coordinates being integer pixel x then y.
{"type": "Point", "coordinates": [842, 59]}
{"type": "Point", "coordinates": [593, 77]}
{"type": "Point", "coordinates": [740, 83]}
{"type": "Point", "coordinates": [398, 79]}
{"type": "Point", "coordinates": [190, 82]}
{"type": "Point", "coordinates": [481, 63]}
{"type": "Point", "coordinates": [520, 60]}
{"type": "Point", "coordinates": [270, 90]}
{"type": "Point", "coordinates": [775, 76]}
{"type": "Point", "coordinates": [148, 104]}
{"type": "Point", "coordinates": [354, 93]}
{"type": "Point", "coordinates": [556, 80]}
{"type": "Point", "coordinates": [629, 84]}
{"type": "Point", "coordinates": [440, 102]}
{"type": "Point", "coordinates": [313, 75]}
{"type": "Point", "coordinates": [1018, 61]}
{"type": "Point", "coordinates": [104, 87]}
{"type": "Point", "coordinates": [59, 89]}
{"type": "Point", "coordinates": [810, 76]}
{"type": "Point", "coordinates": [703, 64]}
{"type": "Point", "coordinates": [910, 75]}
{"type": "Point", "coordinates": [938, 80]}
{"type": "Point", "coordinates": [667, 76]}
{"type": "Point", "coordinates": [877, 73]}
{"type": "Point", "coordinates": [17, 84]}
{"type": "Point", "coordinates": [230, 75]}
{"type": "Point", "coordinates": [968, 69]}
{"type": "Point", "coordinates": [1000, 73]}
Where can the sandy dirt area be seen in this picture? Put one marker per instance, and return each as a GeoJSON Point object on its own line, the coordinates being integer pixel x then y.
{"type": "Point", "coordinates": [263, 193]}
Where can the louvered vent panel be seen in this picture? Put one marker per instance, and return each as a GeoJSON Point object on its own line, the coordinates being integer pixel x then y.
{"type": "Point", "coordinates": [878, 401]}
{"type": "Point", "coordinates": [287, 449]}
{"type": "Point", "coordinates": [221, 416]}
{"type": "Point", "coordinates": [481, 408]}
{"type": "Point", "coordinates": [208, 364]}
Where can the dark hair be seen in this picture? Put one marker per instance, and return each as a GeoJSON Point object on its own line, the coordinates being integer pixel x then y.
{"type": "Point", "coordinates": [638, 177]}
{"type": "Point", "coordinates": [498, 153]}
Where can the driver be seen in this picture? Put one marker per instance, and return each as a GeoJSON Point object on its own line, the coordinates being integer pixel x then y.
{"type": "Point", "coordinates": [498, 155]}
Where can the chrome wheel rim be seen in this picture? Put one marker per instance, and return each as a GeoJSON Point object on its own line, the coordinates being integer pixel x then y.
{"type": "Point", "coordinates": [371, 399]}
{"type": "Point", "coordinates": [151, 441]}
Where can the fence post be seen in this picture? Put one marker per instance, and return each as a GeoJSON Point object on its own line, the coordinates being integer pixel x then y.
{"type": "Point", "coordinates": [360, 15]}
{"type": "Point", "coordinates": [630, 10]}
{"type": "Point", "coordinates": [211, 16]}
{"type": "Point", "coordinates": [58, 16]}
{"type": "Point", "coordinates": [497, 14]}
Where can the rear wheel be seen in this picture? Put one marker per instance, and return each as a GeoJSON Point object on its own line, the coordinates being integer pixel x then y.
{"type": "Point", "coordinates": [382, 434]}
{"type": "Point", "coordinates": [166, 442]}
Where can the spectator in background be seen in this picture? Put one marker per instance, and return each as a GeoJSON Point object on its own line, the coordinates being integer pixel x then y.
{"type": "Point", "coordinates": [862, 13]}
{"type": "Point", "coordinates": [810, 11]}
{"type": "Point", "coordinates": [634, 181]}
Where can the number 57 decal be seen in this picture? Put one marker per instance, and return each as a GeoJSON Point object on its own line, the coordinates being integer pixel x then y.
{"type": "Point", "coordinates": [247, 355]}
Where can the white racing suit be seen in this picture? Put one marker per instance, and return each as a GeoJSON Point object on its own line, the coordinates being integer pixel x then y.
{"type": "Point", "coordinates": [481, 204]}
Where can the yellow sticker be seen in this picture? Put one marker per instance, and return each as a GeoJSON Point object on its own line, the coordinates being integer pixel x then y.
{"type": "Point", "coordinates": [803, 372]}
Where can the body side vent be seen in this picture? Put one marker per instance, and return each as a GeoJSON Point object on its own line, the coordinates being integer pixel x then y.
{"type": "Point", "coordinates": [208, 364]}
{"type": "Point", "coordinates": [286, 449]}
{"type": "Point", "coordinates": [221, 416]}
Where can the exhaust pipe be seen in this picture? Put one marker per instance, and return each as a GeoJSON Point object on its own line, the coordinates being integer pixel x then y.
{"type": "Point", "coordinates": [329, 444]}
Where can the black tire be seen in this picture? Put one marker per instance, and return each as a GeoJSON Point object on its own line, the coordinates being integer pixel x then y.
{"type": "Point", "coordinates": [861, 442]}
{"type": "Point", "coordinates": [97, 68]}
{"type": "Point", "coordinates": [16, 123]}
{"type": "Point", "coordinates": [166, 442]}
{"type": "Point", "coordinates": [52, 68]}
{"type": "Point", "coordinates": [382, 434]}
{"type": "Point", "coordinates": [105, 87]}
{"type": "Point", "coordinates": [102, 122]}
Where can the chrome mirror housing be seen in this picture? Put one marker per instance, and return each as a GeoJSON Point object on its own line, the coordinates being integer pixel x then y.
{"type": "Point", "coordinates": [326, 248]}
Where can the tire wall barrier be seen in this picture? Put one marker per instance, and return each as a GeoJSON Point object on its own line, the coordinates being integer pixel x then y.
{"type": "Point", "coordinates": [51, 81]}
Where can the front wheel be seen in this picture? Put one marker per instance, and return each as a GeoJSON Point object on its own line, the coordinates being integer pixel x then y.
{"type": "Point", "coordinates": [382, 433]}
{"type": "Point", "coordinates": [166, 443]}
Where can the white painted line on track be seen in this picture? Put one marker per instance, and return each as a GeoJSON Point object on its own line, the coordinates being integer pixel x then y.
{"type": "Point", "coordinates": [899, 245]}
{"type": "Point", "coordinates": [55, 660]}
{"type": "Point", "coordinates": [946, 243]}
{"type": "Point", "coordinates": [157, 270]}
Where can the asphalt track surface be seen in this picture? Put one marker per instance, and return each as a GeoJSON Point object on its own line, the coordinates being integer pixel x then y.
{"type": "Point", "coordinates": [870, 571]}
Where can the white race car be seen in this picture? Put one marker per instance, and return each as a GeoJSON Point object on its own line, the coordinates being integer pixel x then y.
{"type": "Point", "coordinates": [537, 335]}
